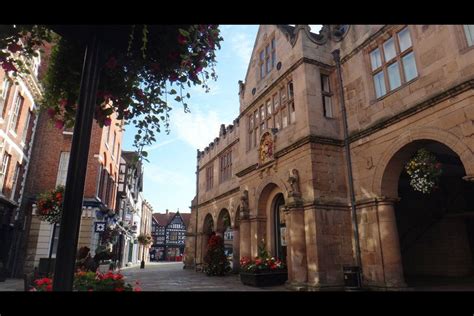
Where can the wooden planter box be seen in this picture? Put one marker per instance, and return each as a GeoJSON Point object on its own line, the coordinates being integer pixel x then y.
{"type": "Point", "coordinates": [262, 279]}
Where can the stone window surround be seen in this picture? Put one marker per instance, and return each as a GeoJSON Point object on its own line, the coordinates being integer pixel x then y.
{"type": "Point", "coordinates": [379, 43]}
{"type": "Point", "coordinates": [271, 45]}
{"type": "Point", "coordinates": [284, 104]}
{"type": "Point", "coordinates": [209, 177]}
{"type": "Point", "coordinates": [225, 160]}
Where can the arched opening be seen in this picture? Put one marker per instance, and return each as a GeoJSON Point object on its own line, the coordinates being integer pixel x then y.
{"type": "Point", "coordinates": [207, 229]}
{"type": "Point", "coordinates": [224, 229]}
{"type": "Point", "coordinates": [279, 226]}
{"type": "Point", "coordinates": [436, 229]}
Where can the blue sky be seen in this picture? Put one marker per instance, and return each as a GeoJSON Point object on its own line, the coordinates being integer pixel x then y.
{"type": "Point", "coordinates": [169, 177]}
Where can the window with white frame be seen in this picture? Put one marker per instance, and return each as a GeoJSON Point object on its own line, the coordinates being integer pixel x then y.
{"type": "Point", "coordinates": [393, 63]}
{"type": "Point", "coordinates": [4, 170]}
{"type": "Point", "coordinates": [25, 128]}
{"type": "Point", "coordinates": [326, 94]}
{"type": "Point", "coordinates": [469, 31]}
{"type": "Point", "coordinates": [16, 112]}
{"type": "Point", "coordinates": [62, 170]}
{"type": "Point", "coordinates": [4, 95]}
{"type": "Point", "coordinates": [15, 181]}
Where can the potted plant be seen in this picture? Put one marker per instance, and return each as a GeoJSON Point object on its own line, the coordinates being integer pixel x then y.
{"type": "Point", "coordinates": [215, 259]}
{"type": "Point", "coordinates": [264, 270]}
{"type": "Point", "coordinates": [144, 240]}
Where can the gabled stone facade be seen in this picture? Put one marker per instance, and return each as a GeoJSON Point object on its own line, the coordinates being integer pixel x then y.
{"type": "Point", "coordinates": [305, 215]}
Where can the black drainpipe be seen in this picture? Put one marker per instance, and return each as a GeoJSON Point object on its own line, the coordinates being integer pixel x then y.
{"type": "Point", "coordinates": [197, 204]}
{"type": "Point", "coordinates": [337, 59]}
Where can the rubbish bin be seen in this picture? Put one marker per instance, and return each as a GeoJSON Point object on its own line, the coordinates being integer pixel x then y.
{"type": "Point", "coordinates": [352, 278]}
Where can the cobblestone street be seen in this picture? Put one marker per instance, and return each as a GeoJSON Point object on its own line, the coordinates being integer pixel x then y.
{"type": "Point", "coordinates": [170, 276]}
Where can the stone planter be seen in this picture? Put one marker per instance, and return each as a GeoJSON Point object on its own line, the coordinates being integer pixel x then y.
{"type": "Point", "coordinates": [262, 279]}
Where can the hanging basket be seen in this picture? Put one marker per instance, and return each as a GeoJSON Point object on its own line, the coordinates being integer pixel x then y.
{"type": "Point", "coordinates": [424, 171]}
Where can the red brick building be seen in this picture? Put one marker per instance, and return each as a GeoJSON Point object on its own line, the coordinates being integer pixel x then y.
{"type": "Point", "coordinates": [50, 159]}
{"type": "Point", "coordinates": [18, 118]}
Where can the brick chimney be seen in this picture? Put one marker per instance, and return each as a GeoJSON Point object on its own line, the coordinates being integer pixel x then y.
{"type": "Point", "coordinates": [166, 211]}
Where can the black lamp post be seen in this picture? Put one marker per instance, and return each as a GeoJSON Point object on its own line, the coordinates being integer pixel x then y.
{"type": "Point", "coordinates": [74, 191]}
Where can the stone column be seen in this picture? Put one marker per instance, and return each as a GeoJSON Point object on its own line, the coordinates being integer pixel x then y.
{"type": "Point", "coordinates": [236, 250]}
{"type": "Point", "coordinates": [257, 234]}
{"type": "Point", "coordinates": [297, 243]}
{"type": "Point", "coordinates": [244, 240]}
{"type": "Point", "coordinates": [390, 244]}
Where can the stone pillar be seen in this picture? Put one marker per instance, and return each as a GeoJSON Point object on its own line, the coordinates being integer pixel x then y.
{"type": "Point", "coordinates": [244, 239]}
{"type": "Point", "coordinates": [297, 243]}
{"type": "Point", "coordinates": [390, 244]}
{"type": "Point", "coordinates": [257, 234]}
{"type": "Point", "coordinates": [236, 250]}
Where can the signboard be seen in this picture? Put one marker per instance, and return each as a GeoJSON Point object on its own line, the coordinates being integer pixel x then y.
{"type": "Point", "coordinates": [283, 236]}
{"type": "Point", "coordinates": [99, 227]}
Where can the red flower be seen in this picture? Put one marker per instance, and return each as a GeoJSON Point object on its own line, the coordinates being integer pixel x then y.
{"type": "Point", "coordinates": [49, 287]}
{"type": "Point", "coordinates": [63, 102]}
{"type": "Point", "coordinates": [173, 55]}
{"type": "Point", "coordinates": [182, 40]}
{"type": "Point", "coordinates": [59, 196]}
{"type": "Point", "coordinates": [14, 47]}
{"type": "Point", "coordinates": [119, 289]}
{"type": "Point", "coordinates": [137, 289]}
{"type": "Point", "coordinates": [438, 165]}
{"type": "Point", "coordinates": [173, 77]}
{"type": "Point", "coordinates": [59, 124]}
{"type": "Point", "coordinates": [51, 112]}
{"type": "Point", "coordinates": [8, 66]}
{"type": "Point", "coordinates": [107, 121]}
{"type": "Point", "coordinates": [111, 63]}
{"type": "Point", "coordinates": [198, 69]}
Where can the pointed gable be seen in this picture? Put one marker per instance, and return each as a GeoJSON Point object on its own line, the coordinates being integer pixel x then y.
{"type": "Point", "coordinates": [273, 45]}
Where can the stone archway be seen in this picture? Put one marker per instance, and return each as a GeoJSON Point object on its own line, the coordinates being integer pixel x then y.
{"type": "Point", "coordinates": [426, 236]}
{"type": "Point", "coordinates": [225, 230]}
{"type": "Point", "coordinates": [207, 230]}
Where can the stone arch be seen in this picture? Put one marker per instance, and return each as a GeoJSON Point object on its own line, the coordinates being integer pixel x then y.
{"type": "Point", "coordinates": [208, 224]}
{"type": "Point", "coordinates": [264, 189]}
{"type": "Point", "coordinates": [390, 165]}
{"type": "Point", "coordinates": [223, 221]}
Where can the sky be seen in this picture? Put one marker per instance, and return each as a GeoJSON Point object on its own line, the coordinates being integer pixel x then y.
{"type": "Point", "coordinates": [169, 178]}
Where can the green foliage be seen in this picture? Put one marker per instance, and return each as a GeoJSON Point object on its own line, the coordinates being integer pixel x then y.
{"type": "Point", "coordinates": [135, 78]}
{"type": "Point", "coordinates": [215, 259]}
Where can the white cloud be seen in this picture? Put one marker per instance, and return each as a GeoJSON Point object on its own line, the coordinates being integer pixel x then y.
{"type": "Point", "coordinates": [158, 145]}
{"type": "Point", "coordinates": [165, 176]}
{"type": "Point", "coordinates": [242, 46]}
{"type": "Point", "coordinates": [197, 129]}
{"type": "Point", "coordinates": [213, 86]}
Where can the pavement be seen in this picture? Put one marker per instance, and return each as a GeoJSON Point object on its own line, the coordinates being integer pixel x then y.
{"type": "Point", "coordinates": [170, 276]}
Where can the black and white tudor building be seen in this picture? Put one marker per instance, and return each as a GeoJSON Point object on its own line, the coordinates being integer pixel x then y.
{"type": "Point", "coordinates": [169, 234]}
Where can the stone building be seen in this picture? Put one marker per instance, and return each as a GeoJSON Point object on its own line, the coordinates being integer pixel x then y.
{"type": "Point", "coordinates": [129, 207]}
{"type": "Point", "coordinates": [49, 165]}
{"type": "Point", "coordinates": [281, 172]}
{"type": "Point", "coordinates": [145, 228]}
{"type": "Point", "coordinates": [18, 119]}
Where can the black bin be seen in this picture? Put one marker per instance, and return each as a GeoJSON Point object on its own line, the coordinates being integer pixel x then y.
{"type": "Point", "coordinates": [352, 279]}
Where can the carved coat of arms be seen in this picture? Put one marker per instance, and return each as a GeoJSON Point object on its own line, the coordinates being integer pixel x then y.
{"type": "Point", "coordinates": [266, 148]}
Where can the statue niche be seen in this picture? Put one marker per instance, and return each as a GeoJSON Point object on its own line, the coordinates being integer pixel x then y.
{"type": "Point", "coordinates": [294, 181]}
{"type": "Point", "coordinates": [244, 205]}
